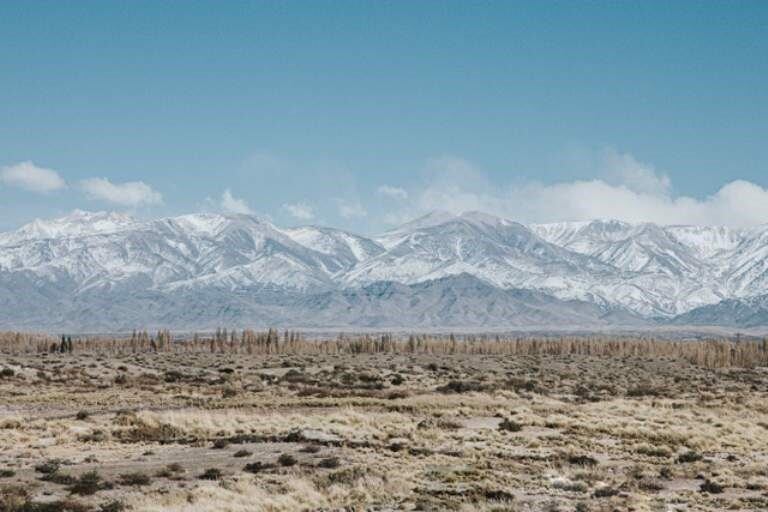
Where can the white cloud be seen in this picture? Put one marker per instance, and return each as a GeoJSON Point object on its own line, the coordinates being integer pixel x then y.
{"type": "Point", "coordinates": [232, 204]}
{"type": "Point", "coordinates": [624, 169]}
{"type": "Point", "coordinates": [627, 190]}
{"type": "Point", "coordinates": [393, 192]}
{"type": "Point", "coordinates": [350, 209]}
{"type": "Point", "coordinates": [132, 193]}
{"type": "Point", "coordinates": [28, 176]}
{"type": "Point", "coordinates": [300, 211]}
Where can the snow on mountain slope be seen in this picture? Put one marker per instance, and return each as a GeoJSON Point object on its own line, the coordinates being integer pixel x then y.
{"type": "Point", "coordinates": [347, 247]}
{"type": "Point", "coordinates": [640, 267]}
{"type": "Point", "coordinates": [113, 267]}
{"type": "Point", "coordinates": [746, 266]}
{"type": "Point", "coordinates": [499, 251]}
{"type": "Point", "coordinates": [395, 236]}
{"type": "Point", "coordinates": [632, 247]}
{"type": "Point", "coordinates": [78, 223]}
{"type": "Point", "coordinates": [713, 262]}
{"type": "Point", "coordinates": [508, 255]}
{"type": "Point", "coordinates": [708, 241]}
{"type": "Point", "coordinates": [678, 267]}
{"type": "Point", "coordinates": [188, 251]}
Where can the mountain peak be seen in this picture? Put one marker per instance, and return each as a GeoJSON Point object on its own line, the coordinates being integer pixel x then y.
{"type": "Point", "coordinates": [484, 218]}
{"type": "Point", "coordinates": [110, 258]}
{"type": "Point", "coordinates": [432, 218]}
{"type": "Point", "coordinates": [76, 223]}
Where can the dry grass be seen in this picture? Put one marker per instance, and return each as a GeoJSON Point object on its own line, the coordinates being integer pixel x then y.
{"type": "Point", "coordinates": [385, 424]}
{"type": "Point", "coordinates": [709, 354]}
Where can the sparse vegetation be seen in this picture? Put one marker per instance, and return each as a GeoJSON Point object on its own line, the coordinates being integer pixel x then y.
{"type": "Point", "coordinates": [741, 353]}
{"type": "Point", "coordinates": [355, 422]}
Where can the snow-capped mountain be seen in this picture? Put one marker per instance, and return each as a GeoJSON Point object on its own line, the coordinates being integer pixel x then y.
{"type": "Point", "coordinates": [346, 247]}
{"type": "Point", "coordinates": [499, 251]}
{"type": "Point", "coordinates": [78, 223]}
{"type": "Point", "coordinates": [186, 251]}
{"type": "Point", "coordinates": [105, 271]}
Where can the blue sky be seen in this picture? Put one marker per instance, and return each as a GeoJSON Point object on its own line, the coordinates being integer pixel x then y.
{"type": "Point", "coordinates": [363, 114]}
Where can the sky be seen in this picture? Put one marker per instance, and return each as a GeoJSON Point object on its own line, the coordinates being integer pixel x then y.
{"type": "Point", "coordinates": [362, 115]}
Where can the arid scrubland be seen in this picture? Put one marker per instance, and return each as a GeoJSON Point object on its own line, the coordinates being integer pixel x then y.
{"type": "Point", "coordinates": [260, 421]}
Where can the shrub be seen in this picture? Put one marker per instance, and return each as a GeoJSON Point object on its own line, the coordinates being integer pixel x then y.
{"type": "Point", "coordinates": [256, 467]}
{"type": "Point", "coordinates": [582, 460]}
{"type": "Point", "coordinates": [242, 453]}
{"type": "Point", "coordinates": [88, 484]}
{"type": "Point", "coordinates": [96, 436]}
{"type": "Point", "coordinates": [689, 456]}
{"type": "Point", "coordinates": [510, 426]}
{"type": "Point", "coordinates": [649, 485]}
{"type": "Point", "coordinates": [170, 471]}
{"type": "Point", "coordinates": [7, 372]}
{"type": "Point", "coordinates": [643, 390]}
{"type": "Point", "coordinates": [82, 415]}
{"type": "Point", "coordinates": [461, 386]}
{"type": "Point", "coordinates": [605, 492]}
{"type": "Point", "coordinates": [211, 474]}
{"type": "Point", "coordinates": [48, 467]}
{"type": "Point", "coordinates": [175, 467]}
{"type": "Point", "coordinates": [329, 463]}
{"type": "Point", "coordinates": [220, 444]}
{"type": "Point", "coordinates": [135, 479]}
{"type": "Point", "coordinates": [711, 487]}
{"type": "Point", "coordinates": [58, 478]}
{"type": "Point", "coordinates": [7, 473]}
{"type": "Point", "coordinates": [173, 376]}
{"type": "Point", "coordinates": [286, 459]}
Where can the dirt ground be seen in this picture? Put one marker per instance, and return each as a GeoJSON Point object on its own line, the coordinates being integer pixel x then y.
{"type": "Point", "coordinates": [237, 432]}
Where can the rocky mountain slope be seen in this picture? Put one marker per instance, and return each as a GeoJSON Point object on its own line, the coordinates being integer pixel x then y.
{"type": "Point", "coordinates": [107, 271]}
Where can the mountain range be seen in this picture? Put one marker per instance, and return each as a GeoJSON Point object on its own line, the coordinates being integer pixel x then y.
{"type": "Point", "coordinates": [110, 272]}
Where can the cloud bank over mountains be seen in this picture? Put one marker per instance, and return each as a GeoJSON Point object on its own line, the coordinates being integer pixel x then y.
{"type": "Point", "coordinates": [623, 188]}
{"type": "Point", "coordinates": [626, 190]}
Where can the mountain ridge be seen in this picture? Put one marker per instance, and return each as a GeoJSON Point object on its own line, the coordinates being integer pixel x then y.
{"type": "Point", "coordinates": [65, 271]}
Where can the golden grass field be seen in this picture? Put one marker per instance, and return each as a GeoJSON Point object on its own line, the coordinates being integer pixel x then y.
{"type": "Point", "coordinates": [378, 423]}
